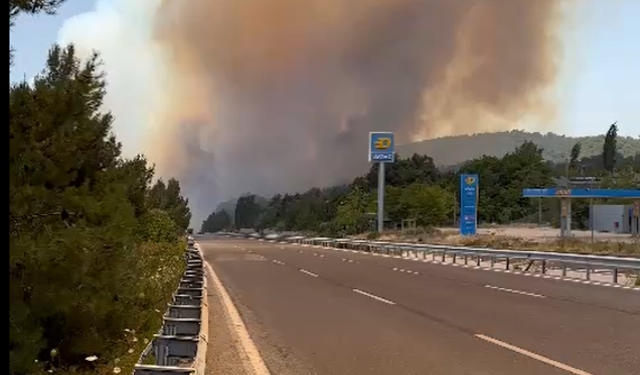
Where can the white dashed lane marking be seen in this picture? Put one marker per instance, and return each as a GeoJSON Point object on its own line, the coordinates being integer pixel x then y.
{"type": "Point", "coordinates": [373, 296]}
{"type": "Point", "coordinates": [532, 355]}
{"type": "Point", "coordinates": [405, 271]}
{"type": "Point", "coordinates": [513, 291]}
{"type": "Point", "coordinates": [308, 272]}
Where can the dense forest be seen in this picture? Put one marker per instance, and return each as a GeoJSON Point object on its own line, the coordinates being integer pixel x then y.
{"type": "Point", "coordinates": [94, 246]}
{"type": "Point", "coordinates": [420, 192]}
{"type": "Point", "coordinates": [556, 148]}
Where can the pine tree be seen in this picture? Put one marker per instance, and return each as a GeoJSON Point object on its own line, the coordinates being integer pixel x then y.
{"type": "Point", "coordinates": [575, 155]}
{"type": "Point", "coordinates": [610, 148]}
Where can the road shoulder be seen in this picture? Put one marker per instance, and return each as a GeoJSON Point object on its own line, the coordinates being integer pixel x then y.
{"type": "Point", "coordinates": [223, 356]}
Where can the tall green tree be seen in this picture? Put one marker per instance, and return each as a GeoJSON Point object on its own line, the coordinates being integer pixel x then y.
{"type": "Point", "coordinates": [610, 148]}
{"type": "Point", "coordinates": [404, 172]}
{"type": "Point", "coordinates": [85, 246]}
{"type": "Point", "coordinates": [72, 228]}
{"type": "Point", "coordinates": [428, 205]}
{"type": "Point", "coordinates": [247, 212]}
{"type": "Point", "coordinates": [168, 197]}
{"type": "Point", "coordinates": [216, 222]}
{"type": "Point", "coordinates": [351, 215]}
{"type": "Point", "coordinates": [574, 156]}
{"type": "Point", "coordinates": [503, 179]}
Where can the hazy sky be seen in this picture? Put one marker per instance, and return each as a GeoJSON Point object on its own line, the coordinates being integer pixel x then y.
{"type": "Point", "coordinates": [600, 84]}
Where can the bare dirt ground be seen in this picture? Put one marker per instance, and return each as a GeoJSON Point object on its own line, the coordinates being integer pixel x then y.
{"type": "Point", "coordinates": [549, 234]}
{"type": "Point", "coordinates": [525, 238]}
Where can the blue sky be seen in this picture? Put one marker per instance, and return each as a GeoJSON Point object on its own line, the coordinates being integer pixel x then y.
{"type": "Point", "coordinates": [600, 82]}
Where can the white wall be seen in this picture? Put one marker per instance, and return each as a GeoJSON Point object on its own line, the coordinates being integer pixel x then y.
{"type": "Point", "coordinates": [605, 216]}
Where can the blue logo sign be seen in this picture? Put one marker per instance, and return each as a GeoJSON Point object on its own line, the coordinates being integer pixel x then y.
{"type": "Point", "coordinates": [381, 147]}
{"type": "Point", "coordinates": [468, 204]}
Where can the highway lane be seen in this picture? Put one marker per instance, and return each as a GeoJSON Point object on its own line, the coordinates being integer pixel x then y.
{"type": "Point", "coordinates": [304, 325]}
{"type": "Point", "coordinates": [538, 321]}
{"type": "Point", "coordinates": [308, 324]}
{"type": "Point", "coordinates": [603, 296]}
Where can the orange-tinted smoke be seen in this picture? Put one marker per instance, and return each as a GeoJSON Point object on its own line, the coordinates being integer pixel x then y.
{"type": "Point", "coordinates": [285, 92]}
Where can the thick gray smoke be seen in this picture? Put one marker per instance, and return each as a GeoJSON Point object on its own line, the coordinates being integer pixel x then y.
{"type": "Point", "coordinates": [281, 94]}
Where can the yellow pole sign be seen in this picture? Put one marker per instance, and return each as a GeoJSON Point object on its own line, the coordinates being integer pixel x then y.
{"type": "Point", "coordinates": [383, 143]}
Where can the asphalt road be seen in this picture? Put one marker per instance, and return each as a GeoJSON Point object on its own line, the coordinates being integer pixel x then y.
{"type": "Point", "coordinates": [322, 311]}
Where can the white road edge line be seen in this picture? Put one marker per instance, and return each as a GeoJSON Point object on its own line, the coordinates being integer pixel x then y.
{"type": "Point", "coordinates": [374, 296]}
{"type": "Point", "coordinates": [246, 347]}
{"type": "Point", "coordinates": [535, 356]}
{"type": "Point", "coordinates": [308, 272]}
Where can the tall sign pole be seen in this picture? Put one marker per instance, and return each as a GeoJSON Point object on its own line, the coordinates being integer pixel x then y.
{"type": "Point", "coordinates": [381, 151]}
{"type": "Point", "coordinates": [380, 197]}
{"type": "Point", "coordinates": [469, 190]}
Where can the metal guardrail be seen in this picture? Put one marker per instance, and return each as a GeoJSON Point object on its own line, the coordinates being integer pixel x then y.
{"type": "Point", "coordinates": [181, 344]}
{"type": "Point", "coordinates": [505, 258]}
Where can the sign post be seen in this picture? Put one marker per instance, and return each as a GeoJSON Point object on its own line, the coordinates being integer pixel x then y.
{"type": "Point", "coordinates": [381, 151]}
{"type": "Point", "coordinates": [469, 189]}
{"type": "Point", "coordinates": [635, 221]}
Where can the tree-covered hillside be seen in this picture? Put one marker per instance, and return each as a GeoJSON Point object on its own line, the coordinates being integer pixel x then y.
{"type": "Point", "coordinates": [419, 191]}
{"type": "Point", "coordinates": [449, 151]}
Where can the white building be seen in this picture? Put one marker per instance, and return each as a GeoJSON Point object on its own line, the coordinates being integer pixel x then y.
{"type": "Point", "coordinates": [612, 218]}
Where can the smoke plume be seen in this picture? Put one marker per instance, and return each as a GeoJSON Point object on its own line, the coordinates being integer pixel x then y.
{"type": "Point", "coordinates": [274, 95]}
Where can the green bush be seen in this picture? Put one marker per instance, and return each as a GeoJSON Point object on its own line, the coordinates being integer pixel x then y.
{"type": "Point", "coordinates": [157, 226]}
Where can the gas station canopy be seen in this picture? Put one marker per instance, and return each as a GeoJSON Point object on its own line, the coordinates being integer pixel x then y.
{"type": "Point", "coordinates": [581, 193]}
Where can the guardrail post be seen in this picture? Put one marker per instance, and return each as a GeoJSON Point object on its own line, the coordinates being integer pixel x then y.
{"type": "Point", "coordinates": [564, 270]}
{"type": "Point", "coordinates": [588, 272]}
{"type": "Point", "coordinates": [444, 256]}
{"type": "Point", "coordinates": [454, 257]}
{"type": "Point", "coordinates": [615, 275]}
{"type": "Point", "coordinates": [478, 260]}
{"type": "Point", "coordinates": [528, 266]}
{"type": "Point", "coordinates": [493, 261]}
{"type": "Point", "coordinates": [181, 326]}
{"type": "Point", "coordinates": [506, 263]}
{"type": "Point", "coordinates": [173, 350]}
{"type": "Point", "coordinates": [184, 311]}
{"type": "Point", "coordinates": [544, 267]}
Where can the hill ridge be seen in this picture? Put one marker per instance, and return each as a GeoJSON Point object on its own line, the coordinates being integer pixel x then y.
{"type": "Point", "coordinates": [556, 147]}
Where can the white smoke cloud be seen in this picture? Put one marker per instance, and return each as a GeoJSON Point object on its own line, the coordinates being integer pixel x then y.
{"type": "Point", "coordinates": [138, 80]}
{"type": "Point", "coordinates": [120, 30]}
